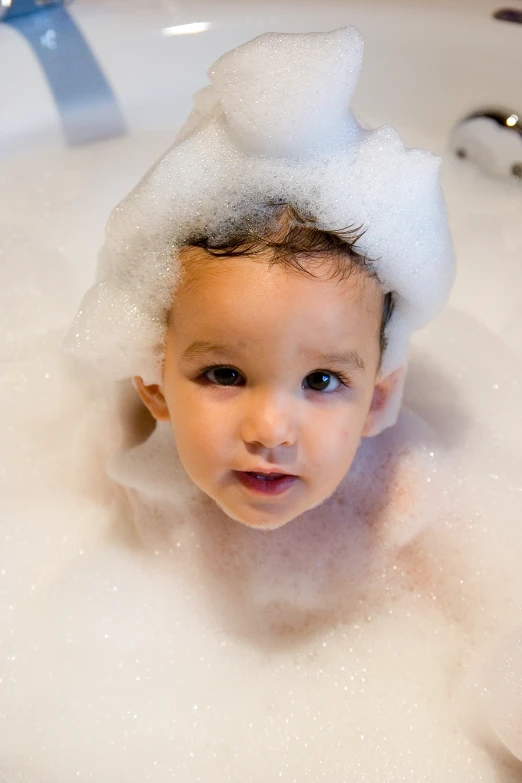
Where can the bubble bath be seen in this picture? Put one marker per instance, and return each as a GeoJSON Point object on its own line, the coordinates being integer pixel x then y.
{"type": "Point", "coordinates": [372, 640]}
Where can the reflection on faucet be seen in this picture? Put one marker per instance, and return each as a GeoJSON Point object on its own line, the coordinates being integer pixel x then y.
{"type": "Point", "coordinates": [85, 100]}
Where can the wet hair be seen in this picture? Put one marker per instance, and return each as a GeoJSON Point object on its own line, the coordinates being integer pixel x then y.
{"type": "Point", "coordinates": [295, 241]}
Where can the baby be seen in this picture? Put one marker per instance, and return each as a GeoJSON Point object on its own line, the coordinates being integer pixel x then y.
{"type": "Point", "coordinates": [262, 282]}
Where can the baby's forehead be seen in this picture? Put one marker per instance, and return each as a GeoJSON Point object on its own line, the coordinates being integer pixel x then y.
{"type": "Point", "coordinates": [244, 311]}
{"type": "Point", "coordinates": [199, 266]}
{"type": "Point", "coordinates": [248, 285]}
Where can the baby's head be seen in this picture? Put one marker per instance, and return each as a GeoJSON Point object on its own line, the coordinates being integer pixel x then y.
{"type": "Point", "coordinates": [272, 360]}
{"type": "Point", "coordinates": [308, 248]}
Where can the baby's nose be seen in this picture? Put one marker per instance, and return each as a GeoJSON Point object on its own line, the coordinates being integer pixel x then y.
{"type": "Point", "coordinates": [270, 420]}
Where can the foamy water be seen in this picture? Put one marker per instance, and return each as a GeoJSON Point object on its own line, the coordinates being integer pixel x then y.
{"type": "Point", "coordinates": [375, 638]}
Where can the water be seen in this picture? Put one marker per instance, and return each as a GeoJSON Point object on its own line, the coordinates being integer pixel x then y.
{"type": "Point", "coordinates": [375, 638]}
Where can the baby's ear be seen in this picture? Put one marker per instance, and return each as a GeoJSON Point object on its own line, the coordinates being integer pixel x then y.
{"type": "Point", "coordinates": [152, 396]}
{"type": "Point", "coordinates": [386, 402]}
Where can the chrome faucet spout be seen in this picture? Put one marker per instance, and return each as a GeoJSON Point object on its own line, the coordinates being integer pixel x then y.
{"type": "Point", "coordinates": [86, 102]}
{"type": "Point", "coordinates": [12, 8]}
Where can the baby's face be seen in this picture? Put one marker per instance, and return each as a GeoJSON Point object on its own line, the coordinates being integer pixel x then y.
{"type": "Point", "coordinates": [268, 369]}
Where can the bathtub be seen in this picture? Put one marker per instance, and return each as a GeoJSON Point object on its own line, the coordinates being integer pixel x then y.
{"type": "Point", "coordinates": [427, 66]}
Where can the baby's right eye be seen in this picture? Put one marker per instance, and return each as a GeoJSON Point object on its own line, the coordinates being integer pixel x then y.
{"type": "Point", "coordinates": [223, 376]}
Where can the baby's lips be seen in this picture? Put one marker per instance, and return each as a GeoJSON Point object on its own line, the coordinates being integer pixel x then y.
{"type": "Point", "coordinates": [268, 475]}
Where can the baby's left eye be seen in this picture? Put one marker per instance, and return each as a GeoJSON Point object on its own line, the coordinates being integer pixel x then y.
{"type": "Point", "coordinates": [320, 380]}
{"type": "Point", "coordinates": [223, 376]}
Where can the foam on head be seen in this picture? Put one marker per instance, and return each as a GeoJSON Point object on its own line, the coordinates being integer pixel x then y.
{"type": "Point", "coordinates": [273, 127]}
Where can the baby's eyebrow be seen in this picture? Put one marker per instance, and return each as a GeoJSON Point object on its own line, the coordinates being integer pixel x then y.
{"type": "Point", "coordinates": [201, 347]}
{"type": "Point", "coordinates": [349, 359]}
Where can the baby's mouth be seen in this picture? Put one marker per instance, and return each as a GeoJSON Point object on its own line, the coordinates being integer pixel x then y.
{"type": "Point", "coordinates": [266, 483]}
{"type": "Point", "coordinates": [266, 476]}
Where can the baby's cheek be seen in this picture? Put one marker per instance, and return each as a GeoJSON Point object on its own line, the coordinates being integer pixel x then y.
{"type": "Point", "coordinates": [350, 432]}
{"type": "Point", "coordinates": [336, 451]}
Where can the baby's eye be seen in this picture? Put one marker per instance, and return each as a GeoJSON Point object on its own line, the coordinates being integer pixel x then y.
{"type": "Point", "coordinates": [320, 380]}
{"type": "Point", "coordinates": [223, 376]}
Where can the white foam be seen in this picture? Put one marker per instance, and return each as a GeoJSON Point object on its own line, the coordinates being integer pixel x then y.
{"type": "Point", "coordinates": [273, 126]}
{"type": "Point", "coordinates": [503, 693]}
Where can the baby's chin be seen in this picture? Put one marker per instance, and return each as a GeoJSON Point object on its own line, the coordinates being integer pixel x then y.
{"type": "Point", "coordinates": [259, 521]}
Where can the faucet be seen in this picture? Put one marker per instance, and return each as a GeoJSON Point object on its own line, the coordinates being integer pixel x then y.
{"type": "Point", "coordinates": [492, 140]}
{"type": "Point", "coordinates": [86, 102]}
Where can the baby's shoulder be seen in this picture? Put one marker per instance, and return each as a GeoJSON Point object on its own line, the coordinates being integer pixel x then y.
{"type": "Point", "coordinates": [393, 481]}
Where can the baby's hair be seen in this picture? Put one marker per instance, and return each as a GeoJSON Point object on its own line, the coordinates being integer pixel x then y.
{"type": "Point", "coordinates": [291, 238]}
